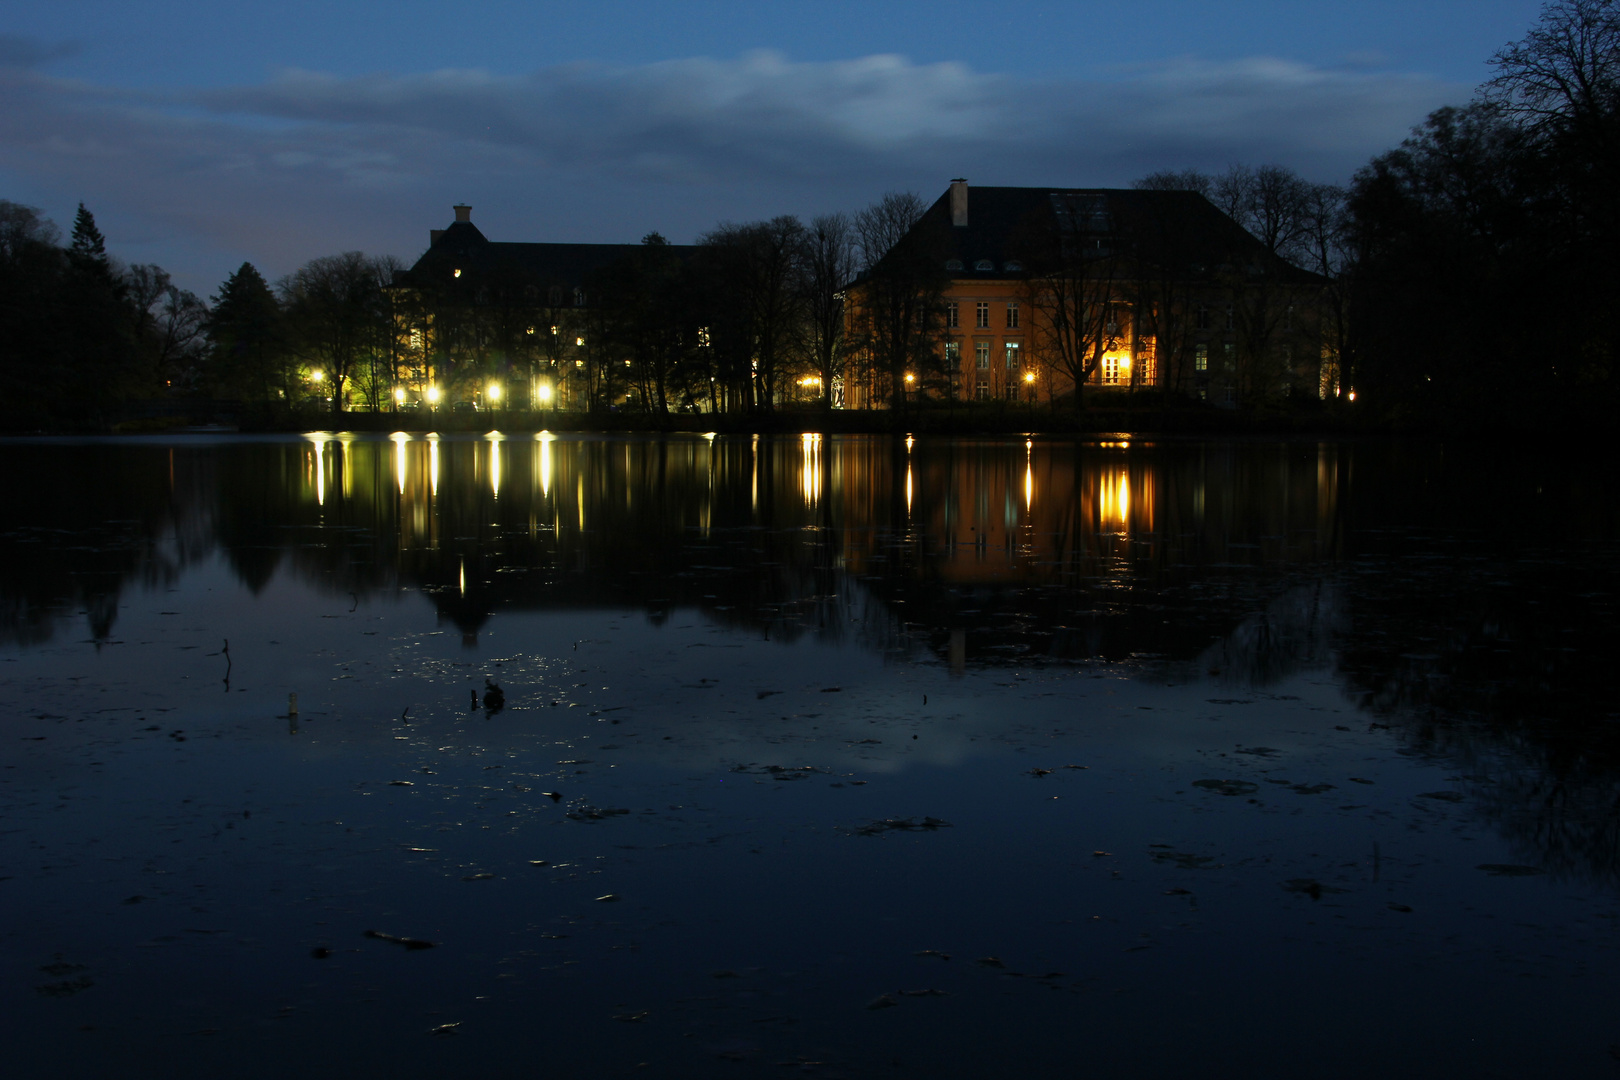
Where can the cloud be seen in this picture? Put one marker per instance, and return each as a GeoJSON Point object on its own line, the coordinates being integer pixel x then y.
{"type": "Point", "coordinates": [305, 163]}
{"type": "Point", "coordinates": [26, 52]}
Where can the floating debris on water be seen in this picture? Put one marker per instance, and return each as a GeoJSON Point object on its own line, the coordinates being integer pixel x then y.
{"type": "Point", "coordinates": [1228, 787]}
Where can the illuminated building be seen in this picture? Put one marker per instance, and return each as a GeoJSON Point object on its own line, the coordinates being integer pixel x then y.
{"type": "Point", "coordinates": [1127, 289]}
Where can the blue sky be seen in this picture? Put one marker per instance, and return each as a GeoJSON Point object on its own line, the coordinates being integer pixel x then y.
{"type": "Point", "coordinates": [203, 135]}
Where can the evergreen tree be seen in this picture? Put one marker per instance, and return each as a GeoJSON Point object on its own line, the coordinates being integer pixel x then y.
{"type": "Point", "coordinates": [88, 244]}
{"type": "Point", "coordinates": [248, 336]}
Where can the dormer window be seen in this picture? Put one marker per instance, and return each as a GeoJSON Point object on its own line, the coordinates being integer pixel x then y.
{"type": "Point", "coordinates": [1014, 265]}
{"type": "Point", "coordinates": [953, 264]}
{"type": "Point", "coordinates": [984, 264]}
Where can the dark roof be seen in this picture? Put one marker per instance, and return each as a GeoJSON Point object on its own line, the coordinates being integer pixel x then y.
{"type": "Point", "coordinates": [462, 247]}
{"type": "Point", "coordinates": [1179, 225]}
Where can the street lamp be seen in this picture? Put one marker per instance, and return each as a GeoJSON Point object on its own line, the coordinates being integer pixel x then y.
{"type": "Point", "coordinates": [399, 397]}
{"type": "Point", "coordinates": [433, 398]}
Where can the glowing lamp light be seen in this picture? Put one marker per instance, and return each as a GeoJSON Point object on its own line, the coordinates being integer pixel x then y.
{"type": "Point", "coordinates": [1352, 395]}
{"type": "Point", "coordinates": [494, 391]}
{"type": "Point", "coordinates": [399, 394]}
{"type": "Point", "coordinates": [545, 392]}
{"type": "Point", "coordinates": [910, 378]}
{"type": "Point", "coordinates": [433, 395]}
{"type": "Point", "coordinates": [1029, 376]}
{"type": "Point", "coordinates": [455, 273]}
{"type": "Point", "coordinates": [317, 376]}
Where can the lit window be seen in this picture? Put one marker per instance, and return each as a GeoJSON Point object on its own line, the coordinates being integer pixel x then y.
{"type": "Point", "coordinates": [579, 342]}
{"type": "Point", "coordinates": [1200, 357]}
{"type": "Point", "coordinates": [703, 337]}
{"type": "Point", "coordinates": [981, 355]}
{"type": "Point", "coordinates": [1110, 370]}
{"type": "Point", "coordinates": [952, 318]}
{"type": "Point", "coordinates": [1012, 316]}
{"type": "Point", "coordinates": [982, 318]}
{"type": "Point", "coordinates": [1012, 356]}
{"type": "Point", "coordinates": [953, 354]}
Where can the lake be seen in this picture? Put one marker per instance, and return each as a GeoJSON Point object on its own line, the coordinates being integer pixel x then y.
{"type": "Point", "coordinates": [825, 756]}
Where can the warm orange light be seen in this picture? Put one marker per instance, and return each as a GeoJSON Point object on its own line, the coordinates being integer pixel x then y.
{"type": "Point", "coordinates": [494, 391]}
{"type": "Point", "coordinates": [1029, 376]}
{"type": "Point", "coordinates": [910, 378]}
{"type": "Point", "coordinates": [433, 395]}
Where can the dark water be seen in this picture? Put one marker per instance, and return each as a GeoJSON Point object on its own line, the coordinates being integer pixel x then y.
{"type": "Point", "coordinates": [1219, 760]}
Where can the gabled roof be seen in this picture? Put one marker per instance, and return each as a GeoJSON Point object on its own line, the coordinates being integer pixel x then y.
{"type": "Point", "coordinates": [1173, 226]}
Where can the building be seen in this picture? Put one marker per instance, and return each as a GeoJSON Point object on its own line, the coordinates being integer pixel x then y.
{"type": "Point", "coordinates": [514, 318]}
{"type": "Point", "coordinates": [1029, 292]}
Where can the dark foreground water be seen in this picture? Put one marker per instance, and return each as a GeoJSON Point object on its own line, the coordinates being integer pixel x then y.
{"type": "Point", "coordinates": [839, 757]}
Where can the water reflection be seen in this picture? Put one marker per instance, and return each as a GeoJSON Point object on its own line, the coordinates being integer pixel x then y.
{"type": "Point", "coordinates": [1402, 572]}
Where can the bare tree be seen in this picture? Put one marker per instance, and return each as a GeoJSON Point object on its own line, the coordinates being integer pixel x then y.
{"type": "Point", "coordinates": [1076, 286]}
{"type": "Point", "coordinates": [333, 306]}
{"type": "Point", "coordinates": [829, 265]}
{"type": "Point", "coordinates": [899, 305]}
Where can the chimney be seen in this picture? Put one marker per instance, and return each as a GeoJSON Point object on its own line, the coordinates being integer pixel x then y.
{"type": "Point", "coordinates": [463, 213]}
{"type": "Point", "coordinates": [959, 202]}
{"type": "Point", "coordinates": [433, 236]}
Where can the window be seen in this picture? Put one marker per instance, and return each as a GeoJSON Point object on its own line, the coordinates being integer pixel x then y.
{"type": "Point", "coordinates": [1012, 356]}
{"type": "Point", "coordinates": [953, 264]}
{"type": "Point", "coordinates": [981, 355]}
{"type": "Point", "coordinates": [981, 390]}
{"type": "Point", "coordinates": [1200, 357]}
{"type": "Point", "coordinates": [982, 317]}
{"type": "Point", "coordinates": [953, 354]}
{"type": "Point", "coordinates": [1110, 370]}
{"type": "Point", "coordinates": [1012, 390]}
{"type": "Point", "coordinates": [579, 297]}
{"type": "Point", "coordinates": [1013, 266]}
{"type": "Point", "coordinates": [984, 264]}
{"type": "Point", "coordinates": [1231, 318]}
{"type": "Point", "coordinates": [554, 295]}
{"type": "Point", "coordinates": [1227, 351]}
{"type": "Point", "coordinates": [1202, 321]}
{"type": "Point", "coordinates": [952, 318]}
{"type": "Point", "coordinates": [1012, 316]}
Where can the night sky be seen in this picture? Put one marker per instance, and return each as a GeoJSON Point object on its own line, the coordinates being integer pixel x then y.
{"type": "Point", "coordinates": [205, 134]}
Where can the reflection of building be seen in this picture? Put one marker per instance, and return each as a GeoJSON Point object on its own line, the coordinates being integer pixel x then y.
{"type": "Point", "coordinates": [1127, 289]}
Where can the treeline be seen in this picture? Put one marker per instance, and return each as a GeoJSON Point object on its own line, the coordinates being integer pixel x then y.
{"type": "Point", "coordinates": [1485, 286]}
{"type": "Point", "coordinates": [80, 334]}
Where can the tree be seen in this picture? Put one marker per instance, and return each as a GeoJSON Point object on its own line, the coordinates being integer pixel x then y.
{"type": "Point", "coordinates": [248, 338]}
{"type": "Point", "coordinates": [757, 270]}
{"type": "Point", "coordinates": [169, 325]}
{"type": "Point", "coordinates": [334, 308]}
{"type": "Point", "coordinates": [1076, 286]}
{"type": "Point", "coordinates": [98, 362]}
{"type": "Point", "coordinates": [829, 265]}
{"type": "Point", "coordinates": [899, 306]}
